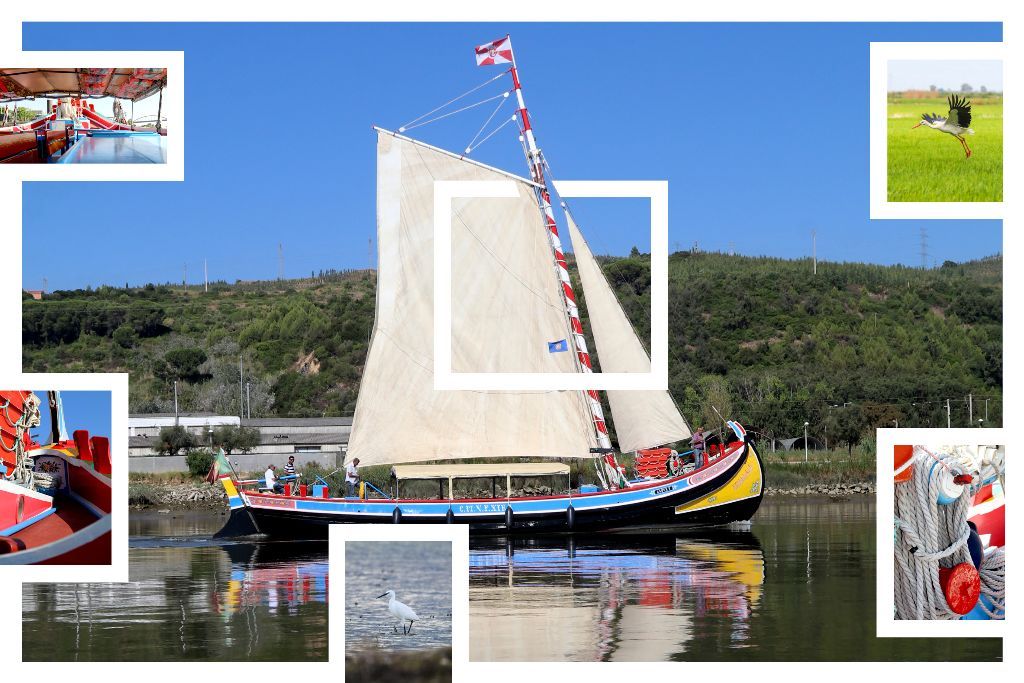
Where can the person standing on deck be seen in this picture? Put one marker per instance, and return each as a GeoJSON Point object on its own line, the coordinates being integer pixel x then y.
{"type": "Point", "coordinates": [351, 478]}
{"type": "Point", "coordinates": [289, 471]}
{"type": "Point", "coordinates": [698, 443]}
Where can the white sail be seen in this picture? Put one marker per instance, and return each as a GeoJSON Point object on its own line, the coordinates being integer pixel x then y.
{"type": "Point", "coordinates": [505, 310]}
{"type": "Point", "coordinates": [643, 419]}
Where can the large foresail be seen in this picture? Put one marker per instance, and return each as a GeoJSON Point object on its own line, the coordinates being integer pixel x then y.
{"type": "Point", "coordinates": [642, 418]}
{"type": "Point", "coordinates": [505, 312]}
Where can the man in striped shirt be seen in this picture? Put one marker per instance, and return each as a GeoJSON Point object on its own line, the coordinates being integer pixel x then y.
{"type": "Point", "coordinates": [289, 469]}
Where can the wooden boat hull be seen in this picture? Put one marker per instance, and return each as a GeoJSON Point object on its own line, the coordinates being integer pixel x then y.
{"type": "Point", "coordinates": [729, 490]}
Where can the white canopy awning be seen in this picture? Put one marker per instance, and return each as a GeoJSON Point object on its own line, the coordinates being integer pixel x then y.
{"type": "Point", "coordinates": [481, 470]}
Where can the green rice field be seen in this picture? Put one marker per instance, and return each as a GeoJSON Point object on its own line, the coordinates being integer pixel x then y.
{"type": "Point", "coordinates": [926, 165]}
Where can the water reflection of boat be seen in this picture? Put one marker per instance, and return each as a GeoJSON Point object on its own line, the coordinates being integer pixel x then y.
{"type": "Point", "coordinates": [622, 598]}
{"type": "Point", "coordinates": [188, 600]}
{"type": "Point", "coordinates": [272, 574]}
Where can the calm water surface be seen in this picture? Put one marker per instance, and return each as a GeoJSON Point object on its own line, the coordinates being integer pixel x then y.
{"type": "Point", "coordinates": [420, 573]}
{"type": "Point", "coordinates": [191, 598]}
{"type": "Point", "coordinates": [799, 585]}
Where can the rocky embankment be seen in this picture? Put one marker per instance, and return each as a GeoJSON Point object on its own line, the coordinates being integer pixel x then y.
{"type": "Point", "coordinates": [180, 495]}
{"type": "Point", "coordinates": [832, 490]}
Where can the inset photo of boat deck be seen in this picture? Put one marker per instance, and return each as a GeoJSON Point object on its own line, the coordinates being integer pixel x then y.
{"type": "Point", "coordinates": [82, 116]}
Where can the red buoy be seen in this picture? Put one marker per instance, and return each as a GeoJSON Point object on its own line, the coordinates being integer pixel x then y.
{"type": "Point", "coordinates": [903, 468]}
{"type": "Point", "coordinates": [961, 586]}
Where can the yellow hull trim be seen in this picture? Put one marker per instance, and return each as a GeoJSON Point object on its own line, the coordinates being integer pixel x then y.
{"type": "Point", "coordinates": [745, 484]}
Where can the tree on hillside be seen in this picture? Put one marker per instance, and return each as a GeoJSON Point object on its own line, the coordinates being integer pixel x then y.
{"type": "Point", "coordinates": [849, 424]}
{"type": "Point", "coordinates": [232, 438]}
{"type": "Point", "coordinates": [715, 394]}
{"type": "Point", "coordinates": [966, 87]}
{"type": "Point", "coordinates": [174, 440]}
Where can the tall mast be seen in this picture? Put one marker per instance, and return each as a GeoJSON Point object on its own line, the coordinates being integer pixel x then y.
{"type": "Point", "coordinates": [536, 163]}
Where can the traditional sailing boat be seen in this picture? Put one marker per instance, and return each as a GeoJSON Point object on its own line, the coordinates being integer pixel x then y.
{"type": "Point", "coordinates": [506, 309]}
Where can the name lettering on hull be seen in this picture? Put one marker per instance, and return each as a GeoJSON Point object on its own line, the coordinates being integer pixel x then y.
{"type": "Point", "coordinates": [480, 507]}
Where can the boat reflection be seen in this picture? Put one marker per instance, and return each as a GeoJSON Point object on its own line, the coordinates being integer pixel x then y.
{"type": "Point", "coordinates": [613, 598]}
{"type": "Point", "coordinates": [188, 600]}
{"type": "Point", "coordinates": [275, 575]}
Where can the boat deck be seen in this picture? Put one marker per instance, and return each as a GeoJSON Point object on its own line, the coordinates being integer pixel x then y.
{"type": "Point", "coordinates": [70, 517]}
{"type": "Point", "coordinates": [118, 147]}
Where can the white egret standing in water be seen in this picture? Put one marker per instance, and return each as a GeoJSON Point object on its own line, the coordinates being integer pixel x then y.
{"type": "Point", "coordinates": [401, 611]}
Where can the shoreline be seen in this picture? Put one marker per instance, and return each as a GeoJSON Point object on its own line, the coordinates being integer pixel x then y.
{"type": "Point", "coordinates": [411, 666]}
{"type": "Point", "coordinates": [153, 494]}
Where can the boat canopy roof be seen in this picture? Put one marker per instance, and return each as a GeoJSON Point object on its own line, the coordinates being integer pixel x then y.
{"type": "Point", "coordinates": [125, 83]}
{"type": "Point", "coordinates": [480, 470]}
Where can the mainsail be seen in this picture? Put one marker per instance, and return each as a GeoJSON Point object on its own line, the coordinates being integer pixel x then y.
{"type": "Point", "coordinates": [642, 418]}
{"type": "Point", "coordinates": [505, 310]}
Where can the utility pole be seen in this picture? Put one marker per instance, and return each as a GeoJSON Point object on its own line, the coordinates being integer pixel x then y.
{"type": "Point", "coordinates": [970, 410]}
{"type": "Point", "coordinates": [814, 250]}
{"type": "Point", "coordinates": [805, 441]}
{"type": "Point", "coordinates": [206, 278]}
{"type": "Point", "coordinates": [241, 403]}
{"type": "Point", "coordinates": [948, 418]}
{"type": "Point", "coordinates": [175, 403]}
{"type": "Point", "coordinates": [248, 403]}
{"type": "Point", "coordinates": [986, 410]}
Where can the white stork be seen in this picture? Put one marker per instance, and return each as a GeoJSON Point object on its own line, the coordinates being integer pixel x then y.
{"type": "Point", "coordinates": [956, 123]}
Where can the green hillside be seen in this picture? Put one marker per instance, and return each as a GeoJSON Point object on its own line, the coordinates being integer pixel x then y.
{"type": "Point", "coordinates": [853, 347]}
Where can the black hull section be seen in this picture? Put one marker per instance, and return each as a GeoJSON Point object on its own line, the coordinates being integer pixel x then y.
{"type": "Point", "coordinates": [652, 516]}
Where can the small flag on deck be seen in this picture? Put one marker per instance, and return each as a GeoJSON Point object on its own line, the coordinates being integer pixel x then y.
{"type": "Point", "coordinates": [498, 52]}
{"type": "Point", "coordinates": [558, 346]}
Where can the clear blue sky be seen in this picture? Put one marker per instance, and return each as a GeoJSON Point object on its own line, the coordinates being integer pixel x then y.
{"type": "Point", "coordinates": [82, 410]}
{"type": "Point", "coordinates": [761, 130]}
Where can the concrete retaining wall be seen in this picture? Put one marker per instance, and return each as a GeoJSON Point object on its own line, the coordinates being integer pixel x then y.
{"type": "Point", "coordinates": [250, 462]}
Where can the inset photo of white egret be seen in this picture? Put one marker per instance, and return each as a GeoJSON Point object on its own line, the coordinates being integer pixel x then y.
{"type": "Point", "coordinates": [945, 130]}
{"type": "Point", "coordinates": [398, 611]}
{"type": "Point", "coordinates": [949, 532]}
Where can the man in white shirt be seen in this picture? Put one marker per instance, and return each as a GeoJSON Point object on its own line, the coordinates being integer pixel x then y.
{"type": "Point", "coordinates": [351, 478]}
{"type": "Point", "coordinates": [271, 478]}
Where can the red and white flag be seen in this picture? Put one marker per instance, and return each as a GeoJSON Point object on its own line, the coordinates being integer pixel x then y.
{"type": "Point", "coordinates": [498, 52]}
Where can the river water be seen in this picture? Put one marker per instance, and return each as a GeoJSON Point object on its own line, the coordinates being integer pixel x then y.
{"type": "Point", "coordinates": [191, 598]}
{"type": "Point", "coordinates": [798, 586]}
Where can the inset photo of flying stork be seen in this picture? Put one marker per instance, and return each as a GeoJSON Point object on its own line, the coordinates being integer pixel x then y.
{"type": "Point", "coordinates": [956, 123]}
{"type": "Point", "coordinates": [960, 98]}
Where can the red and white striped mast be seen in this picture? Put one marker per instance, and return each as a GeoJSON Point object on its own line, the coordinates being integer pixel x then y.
{"type": "Point", "coordinates": [499, 51]}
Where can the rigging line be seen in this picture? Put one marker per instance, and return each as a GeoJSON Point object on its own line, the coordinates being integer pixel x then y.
{"type": "Point", "coordinates": [469, 147]}
{"type": "Point", "coordinates": [455, 99]}
{"type": "Point", "coordinates": [451, 113]}
{"type": "Point", "coordinates": [491, 134]}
